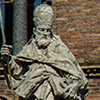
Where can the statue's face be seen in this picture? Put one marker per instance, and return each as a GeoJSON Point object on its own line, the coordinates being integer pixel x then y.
{"type": "Point", "coordinates": [45, 32]}
{"type": "Point", "coordinates": [43, 36]}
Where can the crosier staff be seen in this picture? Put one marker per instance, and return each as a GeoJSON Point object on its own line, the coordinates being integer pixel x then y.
{"type": "Point", "coordinates": [2, 26]}
{"type": "Point", "coordinates": [4, 38]}
{"type": "Point", "coordinates": [4, 2]}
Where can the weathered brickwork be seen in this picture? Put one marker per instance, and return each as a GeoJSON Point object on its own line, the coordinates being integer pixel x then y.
{"type": "Point", "coordinates": [5, 92]}
{"type": "Point", "coordinates": [94, 93]}
{"type": "Point", "coordinates": [78, 24]}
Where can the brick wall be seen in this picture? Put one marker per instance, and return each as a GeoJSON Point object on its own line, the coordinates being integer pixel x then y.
{"type": "Point", "coordinates": [94, 93]}
{"type": "Point", "coordinates": [78, 24]}
{"type": "Point", "coordinates": [5, 92]}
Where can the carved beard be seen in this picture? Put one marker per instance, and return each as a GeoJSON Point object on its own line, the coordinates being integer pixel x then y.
{"type": "Point", "coordinates": [42, 41]}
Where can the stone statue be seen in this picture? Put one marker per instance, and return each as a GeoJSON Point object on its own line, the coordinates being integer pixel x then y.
{"type": "Point", "coordinates": [45, 68]}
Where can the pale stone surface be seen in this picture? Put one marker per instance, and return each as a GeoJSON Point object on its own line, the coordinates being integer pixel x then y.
{"type": "Point", "coordinates": [45, 67]}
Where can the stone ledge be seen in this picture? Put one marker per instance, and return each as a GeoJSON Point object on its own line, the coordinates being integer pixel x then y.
{"type": "Point", "coordinates": [90, 67]}
{"type": "Point", "coordinates": [95, 75]}
{"type": "Point", "coordinates": [91, 71]}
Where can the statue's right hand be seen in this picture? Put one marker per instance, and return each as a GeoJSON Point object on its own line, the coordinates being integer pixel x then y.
{"type": "Point", "coordinates": [6, 53]}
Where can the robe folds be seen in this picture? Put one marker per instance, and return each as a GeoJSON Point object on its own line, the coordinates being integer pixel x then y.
{"type": "Point", "coordinates": [46, 72]}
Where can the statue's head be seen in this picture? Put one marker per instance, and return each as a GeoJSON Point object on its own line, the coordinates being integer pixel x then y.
{"type": "Point", "coordinates": [43, 16]}
{"type": "Point", "coordinates": [43, 20]}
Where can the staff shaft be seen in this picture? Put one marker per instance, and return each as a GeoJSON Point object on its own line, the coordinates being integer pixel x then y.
{"type": "Point", "coordinates": [2, 27]}
{"type": "Point", "coordinates": [4, 39]}
{"type": "Point", "coordinates": [10, 1]}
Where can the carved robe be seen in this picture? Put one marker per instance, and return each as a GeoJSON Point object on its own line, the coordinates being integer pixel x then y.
{"type": "Point", "coordinates": [46, 72]}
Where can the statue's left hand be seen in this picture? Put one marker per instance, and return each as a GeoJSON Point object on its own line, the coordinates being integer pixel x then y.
{"type": "Point", "coordinates": [6, 53]}
{"type": "Point", "coordinates": [71, 92]}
